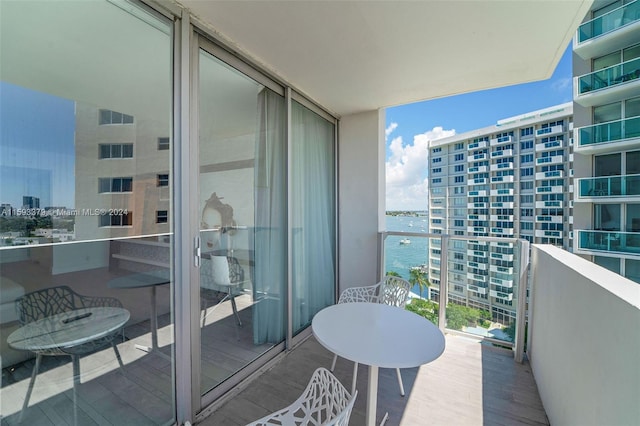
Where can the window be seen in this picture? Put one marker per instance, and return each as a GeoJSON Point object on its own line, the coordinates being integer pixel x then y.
{"type": "Point", "coordinates": [458, 232]}
{"type": "Point", "coordinates": [434, 150]}
{"type": "Point", "coordinates": [458, 190]}
{"type": "Point", "coordinates": [526, 131]}
{"type": "Point", "coordinates": [526, 145]}
{"type": "Point", "coordinates": [458, 157]}
{"type": "Point", "coordinates": [436, 180]}
{"type": "Point", "coordinates": [459, 146]}
{"type": "Point", "coordinates": [526, 158]}
{"type": "Point", "coordinates": [115, 150]}
{"type": "Point", "coordinates": [459, 179]}
{"type": "Point", "coordinates": [526, 212]}
{"type": "Point", "coordinates": [458, 222]}
{"type": "Point", "coordinates": [526, 199]}
{"type": "Point", "coordinates": [163, 143]}
{"type": "Point", "coordinates": [162, 216]}
{"type": "Point", "coordinates": [436, 160]}
{"type": "Point", "coordinates": [526, 226]}
{"type": "Point", "coordinates": [118, 184]}
{"type": "Point", "coordinates": [163, 180]}
{"type": "Point", "coordinates": [436, 170]}
{"type": "Point", "coordinates": [527, 171]}
{"type": "Point", "coordinates": [112, 117]}
{"type": "Point", "coordinates": [458, 168]}
{"type": "Point", "coordinates": [527, 184]}
{"type": "Point", "coordinates": [124, 219]}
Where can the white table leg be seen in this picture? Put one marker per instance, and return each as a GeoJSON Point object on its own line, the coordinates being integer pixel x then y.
{"type": "Point", "coordinates": [372, 396]}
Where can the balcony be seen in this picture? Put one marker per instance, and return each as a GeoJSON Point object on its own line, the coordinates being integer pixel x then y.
{"type": "Point", "coordinates": [477, 169]}
{"type": "Point", "coordinates": [616, 187]}
{"type": "Point", "coordinates": [501, 140]}
{"type": "Point", "coordinates": [557, 189]}
{"type": "Point", "coordinates": [502, 153]}
{"type": "Point", "coordinates": [550, 219]}
{"type": "Point", "coordinates": [501, 217]}
{"type": "Point", "coordinates": [477, 181]}
{"type": "Point", "coordinates": [477, 145]}
{"type": "Point", "coordinates": [482, 266]}
{"type": "Point", "coordinates": [482, 193]}
{"type": "Point", "coordinates": [500, 295]}
{"type": "Point", "coordinates": [502, 231]}
{"type": "Point", "coordinates": [502, 166]}
{"type": "Point", "coordinates": [502, 256]}
{"type": "Point", "coordinates": [544, 161]}
{"type": "Point", "coordinates": [554, 174]}
{"type": "Point", "coordinates": [478, 278]}
{"type": "Point", "coordinates": [502, 205]}
{"type": "Point", "coordinates": [501, 269]}
{"type": "Point", "coordinates": [502, 179]}
{"type": "Point", "coordinates": [477, 217]}
{"type": "Point", "coordinates": [547, 146]}
{"type": "Point", "coordinates": [608, 32]}
{"type": "Point", "coordinates": [477, 157]}
{"type": "Point", "coordinates": [477, 205]}
{"type": "Point", "coordinates": [608, 241]}
{"type": "Point", "coordinates": [613, 135]}
{"type": "Point", "coordinates": [540, 233]}
{"type": "Point", "coordinates": [508, 191]}
{"type": "Point", "coordinates": [547, 204]}
{"type": "Point", "coordinates": [477, 229]}
{"type": "Point", "coordinates": [549, 131]}
{"type": "Point", "coordinates": [609, 84]}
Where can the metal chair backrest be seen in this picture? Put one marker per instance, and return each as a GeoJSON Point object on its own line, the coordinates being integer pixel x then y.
{"type": "Point", "coordinates": [394, 291]}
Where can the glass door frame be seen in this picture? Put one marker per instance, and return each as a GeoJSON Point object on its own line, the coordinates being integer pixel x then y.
{"type": "Point", "coordinates": [189, 39]}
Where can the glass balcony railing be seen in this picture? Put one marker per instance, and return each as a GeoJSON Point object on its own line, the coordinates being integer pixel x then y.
{"type": "Point", "coordinates": [609, 21]}
{"type": "Point", "coordinates": [608, 77]}
{"type": "Point", "coordinates": [609, 132]}
{"type": "Point", "coordinates": [609, 186]}
{"type": "Point", "coordinates": [609, 241]}
{"type": "Point", "coordinates": [478, 281]}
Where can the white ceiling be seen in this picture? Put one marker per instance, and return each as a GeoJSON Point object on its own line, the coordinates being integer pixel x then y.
{"type": "Point", "coordinates": [352, 56]}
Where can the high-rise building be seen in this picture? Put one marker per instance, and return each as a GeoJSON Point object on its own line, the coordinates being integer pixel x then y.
{"type": "Point", "coordinates": [513, 180]}
{"type": "Point", "coordinates": [30, 202]}
{"type": "Point", "coordinates": [606, 68]}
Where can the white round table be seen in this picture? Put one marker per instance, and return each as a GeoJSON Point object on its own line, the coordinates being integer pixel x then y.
{"type": "Point", "coordinates": [379, 336]}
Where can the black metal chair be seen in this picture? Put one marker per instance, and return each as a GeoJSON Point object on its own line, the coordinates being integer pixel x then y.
{"type": "Point", "coordinates": [56, 300]}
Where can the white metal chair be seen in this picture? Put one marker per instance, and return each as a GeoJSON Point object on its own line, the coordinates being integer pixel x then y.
{"type": "Point", "coordinates": [393, 291]}
{"type": "Point", "coordinates": [324, 402]}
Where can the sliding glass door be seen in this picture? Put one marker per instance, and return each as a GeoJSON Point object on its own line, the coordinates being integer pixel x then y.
{"type": "Point", "coordinates": [242, 187]}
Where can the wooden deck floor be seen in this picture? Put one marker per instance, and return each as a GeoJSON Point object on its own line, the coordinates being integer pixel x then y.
{"type": "Point", "coordinates": [470, 384]}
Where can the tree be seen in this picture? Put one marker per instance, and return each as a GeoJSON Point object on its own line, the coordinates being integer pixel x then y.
{"type": "Point", "coordinates": [425, 308]}
{"type": "Point", "coordinates": [418, 277]}
{"type": "Point", "coordinates": [393, 274]}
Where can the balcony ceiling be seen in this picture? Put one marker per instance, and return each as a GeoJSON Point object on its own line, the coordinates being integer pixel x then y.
{"type": "Point", "coordinates": [355, 56]}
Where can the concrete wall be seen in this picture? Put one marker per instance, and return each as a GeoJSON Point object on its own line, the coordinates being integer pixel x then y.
{"type": "Point", "coordinates": [584, 343]}
{"type": "Point", "coordinates": [361, 196]}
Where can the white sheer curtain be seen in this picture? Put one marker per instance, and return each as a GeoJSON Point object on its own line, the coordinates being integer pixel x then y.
{"type": "Point", "coordinates": [313, 214]}
{"type": "Point", "coordinates": [270, 238]}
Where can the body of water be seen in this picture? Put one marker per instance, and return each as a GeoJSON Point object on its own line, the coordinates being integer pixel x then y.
{"type": "Point", "coordinates": [401, 258]}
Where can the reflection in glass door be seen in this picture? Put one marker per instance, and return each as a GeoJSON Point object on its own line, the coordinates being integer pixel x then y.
{"type": "Point", "coordinates": [243, 220]}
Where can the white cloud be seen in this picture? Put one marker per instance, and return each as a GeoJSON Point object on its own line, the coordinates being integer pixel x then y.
{"type": "Point", "coordinates": [389, 130]}
{"type": "Point", "coordinates": [406, 171]}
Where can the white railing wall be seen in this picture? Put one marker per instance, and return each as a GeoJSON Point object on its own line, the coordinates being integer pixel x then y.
{"type": "Point", "coordinates": [584, 340]}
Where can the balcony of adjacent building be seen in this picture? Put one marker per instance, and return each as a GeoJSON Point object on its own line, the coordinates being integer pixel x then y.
{"type": "Point", "coordinates": [549, 160]}
{"type": "Point", "coordinates": [502, 166]}
{"type": "Point", "coordinates": [548, 146]}
{"type": "Point", "coordinates": [501, 140]}
{"type": "Point", "coordinates": [613, 30]}
{"type": "Point", "coordinates": [503, 153]}
{"type": "Point", "coordinates": [477, 181]}
{"type": "Point", "coordinates": [503, 179]}
{"type": "Point", "coordinates": [618, 135]}
{"type": "Point", "coordinates": [477, 145]}
{"type": "Point", "coordinates": [550, 189]}
{"type": "Point", "coordinates": [609, 189]}
{"type": "Point", "coordinates": [476, 157]}
{"type": "Point", "coordinates": [593, 242]}
{"type": "Point", "coordinates": [608, 84]}
{"type": "Point", "coordinates": [553, 174]}
{"type": "Point", "coordinates": [549, 131]}
{"type": "Point", "coordinates": [477, 169]}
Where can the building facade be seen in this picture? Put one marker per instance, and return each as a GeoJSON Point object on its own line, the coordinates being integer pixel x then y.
{"type": "Point", "coordinates": [606, 68]}
{"type": "Point", "coordinates": [510, 180]}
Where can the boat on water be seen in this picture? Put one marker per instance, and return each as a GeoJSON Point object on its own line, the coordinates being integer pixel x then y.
{"type": "Point", "coordinates": [405, 241]}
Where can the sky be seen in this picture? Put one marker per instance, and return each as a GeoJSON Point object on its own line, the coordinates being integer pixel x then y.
{"type": "Point", "coordinates": [37, 149]}
{"type": "Point", "coordinates": [409, 127]}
